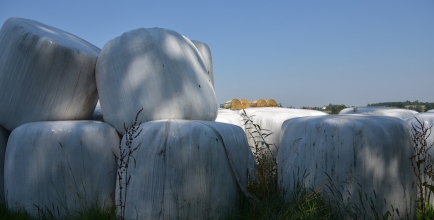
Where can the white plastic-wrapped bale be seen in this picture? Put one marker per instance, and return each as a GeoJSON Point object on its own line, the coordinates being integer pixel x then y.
{"type": "Point", "coordinates": [186, 169]}
{"type": "Point", "coordinates": [270, 119]}
{"type": "Point", "coordinates": [427, 118]}
{"type": "Point", "coordinates": [155, 69]}
{"type": "Point", "coordinates": [4, 135]}
{"type": "Point", "coordinates": [46, 74]}
{"type": "Point", "coordinates": [61, 166]}
{"type": "Point", "coordinates": [362, 155]}
{"type": "Point", "coordinates": [207, 58]}
{"type": "Point", "coordinates": [381, 111]}
{"type": "Point", "coordinates": [230, 117]}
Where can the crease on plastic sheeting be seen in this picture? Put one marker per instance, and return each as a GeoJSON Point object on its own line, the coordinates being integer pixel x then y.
{"type": "Point", "coordinates": [163, 153]}
{"type": "Point", "coordinates": [231, 163]}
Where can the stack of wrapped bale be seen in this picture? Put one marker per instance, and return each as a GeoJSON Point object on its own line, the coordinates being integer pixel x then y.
{"type": "Point", "coordinates": [47, 74]}
{"type": "Point", "coordinates": [187, 165]}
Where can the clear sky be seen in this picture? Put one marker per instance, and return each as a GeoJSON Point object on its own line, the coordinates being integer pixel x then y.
{"type": "Point", "coordinates": [298, 52]}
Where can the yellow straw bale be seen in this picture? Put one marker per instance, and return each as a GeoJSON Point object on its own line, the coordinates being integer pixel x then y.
{"type": "Point", "coordinates": [245, 103]}
{"type": "Point", "coordinates": [271, 103]}
{"type": "Point", "coordinates": [261, 103]}
{"type": "Point", "coordinates": [253, 103]}
{"type": "Point", "coordinates": [233, 104]}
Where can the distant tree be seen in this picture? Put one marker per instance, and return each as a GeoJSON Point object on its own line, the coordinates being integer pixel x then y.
{"type": "Point", "coordinates": [400, 105]}
{"type": "Point", "coordinates": [335, 109]}
{"type": "Point", "coordinates": [429, 106]}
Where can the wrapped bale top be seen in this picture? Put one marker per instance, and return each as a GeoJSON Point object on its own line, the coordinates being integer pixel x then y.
{"type": "Point", "coordinates": [207, 58]}
{"type": "Point", "coordinates": [158, 70]}
{"type": "Point", "coordinates": [46, 74]}
{"type": "Point", "coordinates": [380, 111]}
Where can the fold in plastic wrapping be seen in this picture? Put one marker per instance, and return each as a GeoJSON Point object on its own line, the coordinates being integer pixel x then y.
{"type": "Point", "coordinates": [363, 155]}
{"type": "Point", "coordinates": [186, 170]}
{"type": "Point", "coordinates": [155, 69]}
{"type": "Point", "coordinates": [207, 58]}
{"type": "Point", "coordinates": [46, 74]}
{"type": "Point", "coordinates": [271, 119]}
{"type": "Point", "coordinates": [61, 166]}
{"type": "Point", "coordinates": [4, 135]}
{"type": "Point", "coordinates": [381, 111]}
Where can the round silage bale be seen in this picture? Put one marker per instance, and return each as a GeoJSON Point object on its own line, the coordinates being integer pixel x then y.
{"type": "Point", "coordinates": [186, 169]}
{"type": "Point", "coordinates": [361, 155]}
{"type": "Point", "coordinates": [271, 120]}
{"type": "Point", "coordinates": [158, 70]}
{"type": "Point", "coordinates": [46, 74]}
{"type": "Point", "coordinates": [427, 119]}
{"type": "Point", "coordinates": [230, 117]}
{"type": "Point", "coordinates": [207, 58]}
{"type": "Point", "coordinates": [245, 103]}
{"type": "Point", "coordinates": [62, 166]}
{"type": "Point", "coordinates": [4, 135]}
{"type": "Point", "coordinates": [271, 103]}
{"type": "Point", "coordinates": [380, 111]}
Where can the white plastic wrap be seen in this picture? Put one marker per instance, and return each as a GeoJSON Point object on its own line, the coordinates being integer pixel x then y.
{"type": "Point", "coordinates": [372, 151]}
{"type": "Point", "coordinates": [381, 111]}
{"type": "Point", "coordinates": [428, 119]}
{"type": "Point", "coordinates": [186, 169]}
{"type": "Point", "coordinates": [61, 166]}
{"type": "Point", "coordinates": [46, 74]}
{"type": "Point", "coordinates": [207, 58]}
{"type": "Point", "coordinates": [230, 117]}
{"type": "Point", "coordinates": [4, 135]}
{"type": "Point", "coordinates": [155, 69]}
{"type": "Point", "coordinates": [271, 119]}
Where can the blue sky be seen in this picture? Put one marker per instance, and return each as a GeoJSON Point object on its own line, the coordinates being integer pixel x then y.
{"type": "Point", "coordinates": [300, 53]}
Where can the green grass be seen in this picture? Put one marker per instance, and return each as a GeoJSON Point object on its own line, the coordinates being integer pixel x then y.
{"type": "Point", "coordinates": [89, 214]}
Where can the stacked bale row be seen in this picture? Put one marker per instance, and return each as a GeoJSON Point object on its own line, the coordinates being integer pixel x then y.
{"type": "Point", "coordinates": [47, 74]}
{"type": "Point", "coordinates": [235, 104]}
{"type": "Point", "coordinates": [52, 75]}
